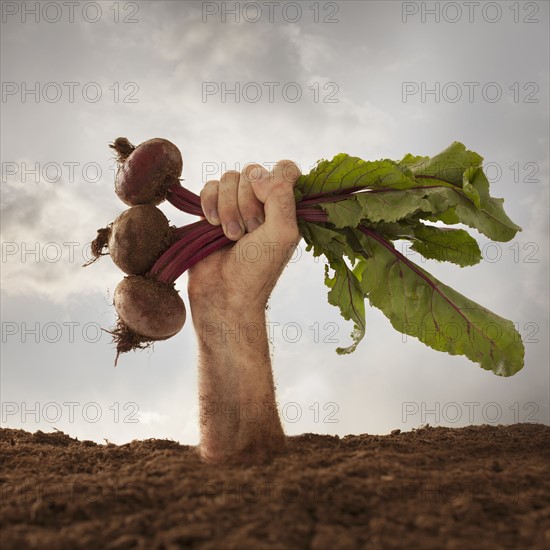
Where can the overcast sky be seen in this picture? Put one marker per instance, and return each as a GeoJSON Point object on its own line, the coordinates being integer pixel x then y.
{"type": "Point", "coordinates": [73, 81]}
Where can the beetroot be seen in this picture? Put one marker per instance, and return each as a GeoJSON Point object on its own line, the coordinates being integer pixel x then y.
{"type": "Point", "coordinates": [146, 172]}
{"type": "Point", "coordinates": [136, 239]}
{"type": "Point", "coordinates": [148, 311]}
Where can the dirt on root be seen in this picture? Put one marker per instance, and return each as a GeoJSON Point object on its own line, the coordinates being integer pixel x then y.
{"type": "Point", "coordinates": [477, 487]}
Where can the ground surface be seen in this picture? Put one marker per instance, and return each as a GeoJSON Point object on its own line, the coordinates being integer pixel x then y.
{"type": "Point", "coordinates": [438, 488]}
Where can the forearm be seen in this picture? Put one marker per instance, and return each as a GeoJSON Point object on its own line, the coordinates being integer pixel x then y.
{"type": "Point", "coordinates": [238, 409]}
{"type": "Point", "coordinates": [239, 420]}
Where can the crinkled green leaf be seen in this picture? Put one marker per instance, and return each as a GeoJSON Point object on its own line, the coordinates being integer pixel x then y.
{"type": "Point", "coordinates": [345, 291]}
{"type": "Point", "coordinates": [388, 206]}
{"type": "Point", "coordinates": [403, 229]}
{"type": "Point", "coordinates": [344, 213]}
{"type": "Point", "coordinates": [449, 165]}
{"type": "Point", "coordinates": [413, 161]}
{"type": "Point", "coordinates": [442, 201]}
{"type": "Point", "coordinates": [448, 217]}
{"type": "Point", "coordinates": [446, 245]}
{"type": "Point", "coordinates": [436, 243]}
{"type": "Point", "coordinates": [491, 220]}
{"type": "Point", "coordinates": [479, 182]}
{"type": "Point", "coordinates": [435, 203]}
{"type": "Point", "coordinates": [326, 241]}
{"type": "Point", "coordinates": [469, 190]}
{"type": "Point", "coordinates": [346, 294]}
{"type": "Point", "coordinates": [419, 305]}
{"type": "Point", "coordinates": [345, 172]}
{"type": "Point", "coordinates": [388, 200]}
{"type": "Point", "coordinates": [451, 207]}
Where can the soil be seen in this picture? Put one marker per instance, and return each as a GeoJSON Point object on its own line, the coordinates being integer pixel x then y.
{"type": "Point", "coordinates": [477, 487]}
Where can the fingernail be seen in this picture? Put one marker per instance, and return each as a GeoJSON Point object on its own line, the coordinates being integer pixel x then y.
{"type": "Point", "coordinates": [233, 230]}
{"type": "Point", "coordinates": [254, 174]}
{"type": "Point", "coordinates": [213, 216]}
{"type": "Point", "coordinates": [252, 224]}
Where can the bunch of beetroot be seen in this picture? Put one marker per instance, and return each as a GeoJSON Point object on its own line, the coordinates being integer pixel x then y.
{"type": "Point", "coordinates": [349, 210]}
{"type": "Point", "coordinates": [143, 245]}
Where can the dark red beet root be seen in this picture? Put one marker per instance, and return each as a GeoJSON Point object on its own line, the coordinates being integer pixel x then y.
{"type": "Point", "coordinates": [147, 171]}
{"type": "Point", "coordinates": [148, 311]}
{"type": "Point", "coordinates": [138, 237]}
{"type": "Point", "coordinates": [135, 240]}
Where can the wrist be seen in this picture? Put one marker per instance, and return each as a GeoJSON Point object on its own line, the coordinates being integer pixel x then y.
{"type": "Point", "coordinates": [217, 307]}
{"type": "Point", "coordinates": [224, 325]}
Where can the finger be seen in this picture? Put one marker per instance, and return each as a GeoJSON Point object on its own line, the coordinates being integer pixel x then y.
{"type": "Point", "coordinates": [287, 171]}
{"type": "Point", "coordinates": [280, 206]}
{"type": "Point", "coordinates": [209, 201]}
{"type": "Point", "coordinates": [280, 213]}
{"type": "Point", "coordinates": [228, 206]}
{"type": "Point", "coordinates": [250, 207]}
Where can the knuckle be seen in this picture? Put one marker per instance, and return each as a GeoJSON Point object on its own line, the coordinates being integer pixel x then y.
{"type": "Point", "coordinates": [228, 208]}
{"type": "Point", "coordinates": [210, 188]}
{"type": "Point", "coordinates": [249, 168]}
{"type": "Point", "coordinates": [288, 170]}
{"type": "Point", "coordinates": [231, 176]}
{"type": "Point", "coordinates": [249, 205]}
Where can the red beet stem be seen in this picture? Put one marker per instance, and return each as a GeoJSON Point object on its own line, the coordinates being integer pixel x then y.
{"type": "Point", "coordinates": [311, 214]}
{"type": "Point", "coordinates": [191, 247]}
{"type": "Point", "coordinates": [192, 234]}
{"type": "Point", "coordinates": [189, 260]}
{"type": "Point", "coordinates": [186, 229]}
{"type": "Point", "coordinates": [193, 238]}
{"type": "Point", "coordinates": [184, 200]}
{"type": "Point", "coordinates": [198, 240]}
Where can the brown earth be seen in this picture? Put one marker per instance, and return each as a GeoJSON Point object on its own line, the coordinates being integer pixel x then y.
{"type": "Point", "coordinates": [433, 488]}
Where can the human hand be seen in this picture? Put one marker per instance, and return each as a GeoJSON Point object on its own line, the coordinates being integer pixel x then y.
{"type": "Point", "coordinates": [257, 209]}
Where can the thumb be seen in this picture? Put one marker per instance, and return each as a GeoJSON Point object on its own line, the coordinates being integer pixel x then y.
{"type": "Point", "coordinates": [276, 191]}
{"type": "Point", "coordinates": [262, 181]}
{"type": "Point", "coordinates": [280, 211]}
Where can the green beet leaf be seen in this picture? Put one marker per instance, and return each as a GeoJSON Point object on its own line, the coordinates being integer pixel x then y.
{"type": "Point", "coordinates": [490, 219]}
{"type": "Point", "coordinates": [419, 305]}
{"type": "Point", "coordinates": [345, 172]}
{"type": "Point", "coordinates": [446, 245]}
{"type": "Point", "coordinates": [370, 204]}
{"type": "Point", "coordinates": [346, 293]}
{"type": "Point", "coordinates": [449, 165]}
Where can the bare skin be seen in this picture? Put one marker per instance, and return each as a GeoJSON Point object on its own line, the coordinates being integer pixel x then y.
{"type": "Point", "coordinates": [228, 294]}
